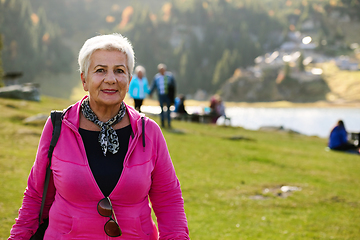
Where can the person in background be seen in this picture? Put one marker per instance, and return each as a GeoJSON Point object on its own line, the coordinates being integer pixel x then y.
{"type": "Point", "coordinates": [110, 161]}
{"type": "Point", "coordinates": [338, 139]}
{"type": "Point", "coordinates": [164, 84]}
{"type": "Point", "coordinates": [217, 108]}
{"type": "Point", "coordinates": [220, 108]}
{"type": "Point", "coordinates": [180, 105]}
{"type": "Point", "coordinates": [139, 87]}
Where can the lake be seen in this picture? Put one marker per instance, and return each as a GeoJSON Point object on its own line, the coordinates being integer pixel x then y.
{"type": "Point", "coordinates": [308, 121]}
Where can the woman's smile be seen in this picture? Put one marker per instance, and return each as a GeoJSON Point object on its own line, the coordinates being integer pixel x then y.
{"type": "Point", "coordinates": [109, 91]}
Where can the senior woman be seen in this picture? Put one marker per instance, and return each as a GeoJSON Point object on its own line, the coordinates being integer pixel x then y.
{"type": "Point", "coordinates": [107, 155]}
{"type": "Point", "coordinates": [139, 87]}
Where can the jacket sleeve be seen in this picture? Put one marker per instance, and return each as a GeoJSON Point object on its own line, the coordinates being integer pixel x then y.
{"type": "Point", "coordinates": [153, 86]}
{"type": "Point", "coordinates": [28, 219]}
{"type": "Point", "coordinates": [165, 195]}
{"type": "Point", "coordinates": [173, 82]}
{"type": "Point", "coordinates": [343, 136]}
{"type": "Point", "coordinates": [131, 87]}
{"type": "Point", "coordinates": [146, 86]}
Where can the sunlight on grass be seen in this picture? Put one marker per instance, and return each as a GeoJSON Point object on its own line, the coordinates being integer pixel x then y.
{"type": "Point", "coordinates": [343, 84]}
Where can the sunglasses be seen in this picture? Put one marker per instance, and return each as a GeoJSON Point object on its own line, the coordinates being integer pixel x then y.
{"type": "Point", "coordinates": [105, 209]}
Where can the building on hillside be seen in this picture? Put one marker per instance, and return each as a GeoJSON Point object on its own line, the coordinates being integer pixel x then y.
{"type": "Point", "coordinates": [340, 16]}
{"type": "Point", "coordinates": [345, 63]}
{"type": "Point", "coordinates": [310, 24]}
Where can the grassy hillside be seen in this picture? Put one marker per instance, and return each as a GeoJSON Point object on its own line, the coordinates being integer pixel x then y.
{"type": "Point", "coordinates": [231, 187]}
{"type": "Point", "coordinates": [344, 85]}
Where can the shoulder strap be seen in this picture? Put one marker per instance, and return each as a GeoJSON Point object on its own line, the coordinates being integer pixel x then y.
{"type": "Point", "coordinates": [56, 121]}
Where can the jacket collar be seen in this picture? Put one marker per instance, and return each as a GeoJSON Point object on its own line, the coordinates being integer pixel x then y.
{"type": "Point", "coordinates": [73, 115]}
{"type": "Point", "coordinates": [135, 118]}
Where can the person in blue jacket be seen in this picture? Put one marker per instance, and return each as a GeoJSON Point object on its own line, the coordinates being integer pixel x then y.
{"type": "Point", "coordinates": [338, 139]}
{"type": "Point", "coordinates": [164, 84]}
{"type": "Point", "coordinates": [139, 87]}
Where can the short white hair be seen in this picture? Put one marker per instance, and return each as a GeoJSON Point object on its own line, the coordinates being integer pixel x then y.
{"type": "Point", "coordinates": [140, 69]}
{"type": "Point", "coordinates": [110, 42]}
{"type": "Point", "coordinates": [161, 65]}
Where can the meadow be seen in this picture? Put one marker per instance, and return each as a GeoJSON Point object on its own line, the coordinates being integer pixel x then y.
{"type": "Point", "coordinates": [232, 178]}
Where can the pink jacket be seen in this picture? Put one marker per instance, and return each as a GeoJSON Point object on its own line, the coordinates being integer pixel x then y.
{"type": "Point", "coordinates": [73, 193]}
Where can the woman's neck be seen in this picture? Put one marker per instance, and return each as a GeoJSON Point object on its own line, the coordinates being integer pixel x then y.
{"type": "Point", "coordinates": [105, 113]}
{"type": "Point", "coordinates": [88, 125]}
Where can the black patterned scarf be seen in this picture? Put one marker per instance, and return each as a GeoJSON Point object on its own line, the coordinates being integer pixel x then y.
{"type": "Point", "coordinates": [108, 138]}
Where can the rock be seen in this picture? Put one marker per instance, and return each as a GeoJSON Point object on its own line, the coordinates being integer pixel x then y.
{"type": "Point", "coordinates": [37, 119]}
{"type": "Point", "coordinates": [26, 91]}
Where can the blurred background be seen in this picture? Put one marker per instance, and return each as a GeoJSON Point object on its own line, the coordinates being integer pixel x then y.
{"type": "Point", "coordinates": [298, 51]}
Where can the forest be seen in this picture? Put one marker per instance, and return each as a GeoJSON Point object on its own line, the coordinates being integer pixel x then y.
{"type": "Point", "coordinates": [201, 41]}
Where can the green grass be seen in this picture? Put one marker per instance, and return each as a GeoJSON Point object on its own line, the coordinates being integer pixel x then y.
{"type": "Point", "coordinates": [219, 178]}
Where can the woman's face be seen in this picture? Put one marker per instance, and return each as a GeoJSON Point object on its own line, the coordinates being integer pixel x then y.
{"type": "Point", "coordinates": [107, 80]}
{"type": "Point", "coordinates": [140, 74]}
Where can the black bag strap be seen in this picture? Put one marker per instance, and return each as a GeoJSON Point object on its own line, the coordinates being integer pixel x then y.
{"type": "Point", "coordinates": [56, 121]}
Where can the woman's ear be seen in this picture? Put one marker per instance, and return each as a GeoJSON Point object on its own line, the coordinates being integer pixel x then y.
{"type": "Point", "coordinates": [83, 81]}
{"type": "Point", "coordinates": [128, 86]}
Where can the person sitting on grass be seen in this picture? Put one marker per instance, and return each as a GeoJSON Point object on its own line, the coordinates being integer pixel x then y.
{"type": "Point", "coordinates": [338, 139]}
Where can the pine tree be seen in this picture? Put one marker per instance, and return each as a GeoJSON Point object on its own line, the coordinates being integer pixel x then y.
{"type": "Point", "coordinates": [287, 72]}
{"type": "Point", "coordinates": [31, 44]}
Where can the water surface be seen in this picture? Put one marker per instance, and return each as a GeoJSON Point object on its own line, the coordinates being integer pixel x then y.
{"type": "Point", "coordinates": [308, 121]}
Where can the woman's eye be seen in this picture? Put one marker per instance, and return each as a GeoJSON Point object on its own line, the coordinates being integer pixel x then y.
{"type": "Point", "coordinates": [119, 71]}
{"type": "Point", "coordinates": [100, 70]}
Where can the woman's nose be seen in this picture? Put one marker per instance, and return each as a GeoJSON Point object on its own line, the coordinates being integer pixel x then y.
{"type": "Point", "coordinates": [110, 78]}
